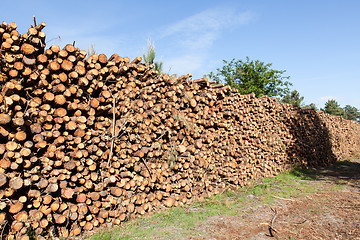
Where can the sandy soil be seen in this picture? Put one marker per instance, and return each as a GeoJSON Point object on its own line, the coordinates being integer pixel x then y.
{"type": "Point", "coordinates": [332, 213]}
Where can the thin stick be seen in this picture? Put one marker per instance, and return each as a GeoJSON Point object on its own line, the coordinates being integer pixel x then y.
{"type": "Point", "coordinates": [301, 222]}
{"type": "Point", "coordinates": [2, 232]}
{"type": "Point", "coordinates": [58, 37]}
{"type": "Point", "coordinates": [286, 199]}
{"type": "Point", "coordinates": [34, 21]}
{"type": "Point", "coordinates": [162, 135]}
{"type": "Point", "coordinates": [271, 229]}
{"type": "Point", "coordinates": [113, 131]}
{"type": "Point", "coordinates": [147, 167]}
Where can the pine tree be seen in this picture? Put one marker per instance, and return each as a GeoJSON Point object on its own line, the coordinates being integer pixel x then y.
{"type": "Point", "coordinates": [351, 113]}
{"type": "Point", "coordinates": [293, 98]}
{"type": "Point", "coordinates": [91, 50]}
{"type": "Point", "coordinates": [150, 57]}
{"type": "Point", "coordinates": [333, 107]}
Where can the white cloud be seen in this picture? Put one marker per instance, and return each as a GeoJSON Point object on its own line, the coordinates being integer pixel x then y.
{"type": "Point", "coordinates": [192, 38]}
{"type": "Point", "coordinates": [202, 29]}
{"type": "Point", "coordinates": [184, 64]}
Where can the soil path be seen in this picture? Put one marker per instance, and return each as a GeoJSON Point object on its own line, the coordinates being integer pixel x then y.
{"type": "Point", "coordinates": [331, 212]}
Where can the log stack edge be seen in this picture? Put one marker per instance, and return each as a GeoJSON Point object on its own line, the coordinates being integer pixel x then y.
{"type": "Point", "coordinates": [92, 142]}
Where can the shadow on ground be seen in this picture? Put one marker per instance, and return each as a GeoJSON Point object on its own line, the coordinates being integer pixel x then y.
{"type": "Point", "coordinates": [341, 172]}
{"type": "Point", "coordinates": [331, 211]}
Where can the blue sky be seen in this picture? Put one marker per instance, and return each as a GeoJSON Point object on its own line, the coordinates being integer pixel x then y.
{"type": "Point", "coordinates": [317, 42]}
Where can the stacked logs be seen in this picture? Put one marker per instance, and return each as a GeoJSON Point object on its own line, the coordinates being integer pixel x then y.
{"type": "Point", "coordinates": [91, 142]}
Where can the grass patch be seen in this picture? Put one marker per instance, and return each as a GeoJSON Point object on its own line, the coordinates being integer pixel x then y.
{"type": "Point", "coordinates": [175, 223]}
{"type": "Point", "coordinates": [170, 224]}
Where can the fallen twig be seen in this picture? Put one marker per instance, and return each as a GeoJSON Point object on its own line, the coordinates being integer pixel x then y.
{"type": "Point", "coordinates": [301, 222]}
{"type": "Point", "coordinates": [2, 232]}
{"type": "Point", "coordinates": [113, 130]}
{"type": "Point", "coordinates": [271, 229]}
{"type": "Point", "coordinates": [286, 199]}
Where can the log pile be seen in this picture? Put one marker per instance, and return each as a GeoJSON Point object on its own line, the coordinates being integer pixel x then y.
{"type": "Point", "coordinates": [93, 141]}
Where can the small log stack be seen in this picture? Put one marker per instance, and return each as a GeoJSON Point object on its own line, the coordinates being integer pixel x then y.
{"type": "Point", "coordinates": [87, 142]}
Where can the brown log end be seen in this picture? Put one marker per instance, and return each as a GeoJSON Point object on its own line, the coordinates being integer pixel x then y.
{"type": "Point", "coordinates": [3, 179]}
{"type": "Point", "coordinates": [27, 49]}
{"type": "Point", "coordinates": [16, 183]}
{"type": "Point", "coordinates": [67, 193]}
{"type": "Point", "coordinates": [4, 119]}
{"type": "Point", "coordinates": [15, 207]}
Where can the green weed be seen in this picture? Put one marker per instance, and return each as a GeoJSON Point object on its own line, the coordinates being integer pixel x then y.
{"type": "Point", "coordinates": [183, 221]}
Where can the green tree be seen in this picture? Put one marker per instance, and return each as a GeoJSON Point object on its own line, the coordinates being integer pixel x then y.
{"type": "Point", "coordinates": [252, 77]}
{"type": "Point", "coordinates": [293, 98]}
{"type": "Point", "coordinates": [311, 105]}
{"type": "Point", "coordinates": [150, 57]}
{"type": "Point", "coordinates": [351, 113]}
{"type": "Point", "coordinates": [332, 107]}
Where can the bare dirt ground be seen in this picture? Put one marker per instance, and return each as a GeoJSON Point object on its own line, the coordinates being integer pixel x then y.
{"type": "Point", "coordinates": [331, 213]}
